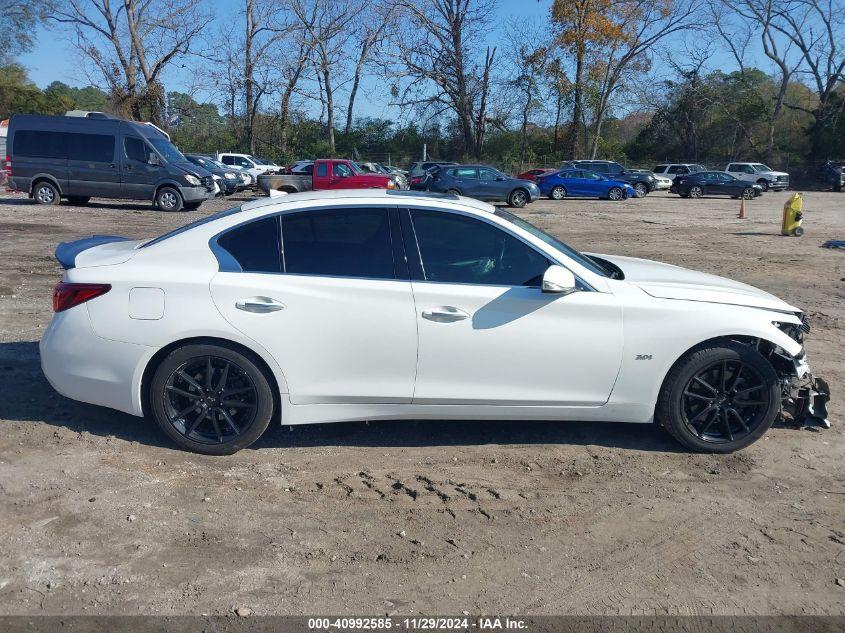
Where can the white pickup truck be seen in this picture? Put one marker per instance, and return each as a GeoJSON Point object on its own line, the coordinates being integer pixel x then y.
{"type": "Point", "coordinates": [759, 173]}
{"type": "Point", "coordinates": [255, 166]}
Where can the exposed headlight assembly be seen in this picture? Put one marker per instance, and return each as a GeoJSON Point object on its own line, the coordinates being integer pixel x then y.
{"type": "Point", "coordinates": [192, 180]}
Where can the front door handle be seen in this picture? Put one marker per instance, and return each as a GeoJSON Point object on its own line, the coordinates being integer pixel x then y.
{"type": "Point", "coordinates": [259, 305]}
{"type": "Point", "coordinates": [444, 314]}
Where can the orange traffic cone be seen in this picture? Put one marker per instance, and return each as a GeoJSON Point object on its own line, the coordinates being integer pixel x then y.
{"type": "Point", "coordinates": [742, 208]}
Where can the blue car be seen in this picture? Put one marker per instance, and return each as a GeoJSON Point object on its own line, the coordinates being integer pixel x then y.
{"type": "Point", "coordinates": [581, 183]}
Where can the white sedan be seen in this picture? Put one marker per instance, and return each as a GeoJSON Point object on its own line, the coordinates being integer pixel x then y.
{"type": "Point", "coordinates": [366, 305]}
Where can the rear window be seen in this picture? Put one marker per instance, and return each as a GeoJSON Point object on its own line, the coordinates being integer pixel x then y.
{"type": "Point", "coordinates": [97, 148]}
{"type": "Point", "coordinates": [35, 144]}
{"type": "Point", "coordinates": [338, 242]}
{"type": "Point", "coordinates": [255, 245]}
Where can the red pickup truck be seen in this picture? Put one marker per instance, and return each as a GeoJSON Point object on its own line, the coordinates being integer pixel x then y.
{"type": "Point", "coordinates": [328, 173]}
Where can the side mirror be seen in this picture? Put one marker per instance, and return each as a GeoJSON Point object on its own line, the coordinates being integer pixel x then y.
{"type": "Point", "coordinates": [153, 160]}
{"type": "Point", "coordinates": [558, 280]}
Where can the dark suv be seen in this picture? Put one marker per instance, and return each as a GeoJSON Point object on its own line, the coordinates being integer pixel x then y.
{"type": "Point", "coordinates": [833, 174]}
{"type": "Point", "coordinates": [641, 180]}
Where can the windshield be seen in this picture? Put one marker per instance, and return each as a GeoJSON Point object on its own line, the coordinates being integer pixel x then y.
{"type": "Point", "coordinates": [356, 168]}
{"type": "Point", "coordinates": [552, 241]}
{"type": "Point", "coordinates": [761, 167]}
{"type": "Point", "coordinates": [167, 150]}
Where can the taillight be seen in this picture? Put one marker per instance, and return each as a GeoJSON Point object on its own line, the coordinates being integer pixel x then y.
{"type": "Point", "coordinates": [67, 295]}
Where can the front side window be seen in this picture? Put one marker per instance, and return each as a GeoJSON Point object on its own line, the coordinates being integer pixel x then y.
{"type": "Point", "coordinates": [488, 174]}
{"type": "Point", "coordinates": [338, 243]}
{"type": "Point", "coordinates": [136, 149]}
{"type": "Point", "coordinates": [340, 170]}
{"type": "Point", "coordinates": [255, 246]}
{"type": "Point", "coordinates": [458, 249]}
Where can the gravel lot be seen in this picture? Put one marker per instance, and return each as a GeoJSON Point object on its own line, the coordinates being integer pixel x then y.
{"type": "Point", "coordinates": [99, 514]}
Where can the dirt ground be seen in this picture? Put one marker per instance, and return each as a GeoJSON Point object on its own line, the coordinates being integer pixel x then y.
{"type": "Point", "coordinates": [99, 514]}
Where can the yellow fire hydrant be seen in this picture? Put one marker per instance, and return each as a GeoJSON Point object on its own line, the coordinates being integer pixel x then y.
{"type": "Point", "coordinates": [793, 213]}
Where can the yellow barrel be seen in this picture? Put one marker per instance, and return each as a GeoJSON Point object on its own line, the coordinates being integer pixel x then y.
{"type": "Point", "coordinates": [793, 212]}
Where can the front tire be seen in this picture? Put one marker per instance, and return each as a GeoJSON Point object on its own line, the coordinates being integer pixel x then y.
{"type": "Point", "coordinates": [640, 190]}
{"type": "Point", "coordinates": [764, 184]}
{"type": "Point", "coordinates": [211, 399]}
{"type": "Point", "coordinates": [518, 198]}
{"type": "Point", "coordinates": [719, 398]}
{"type": "Point", "coordinates": [558, 193]}
{"type": "Point", "coordinates": [169, 199]}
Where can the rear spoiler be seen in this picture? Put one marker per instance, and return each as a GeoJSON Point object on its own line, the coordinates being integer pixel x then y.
{"type": "Point", "coordinates": [66, 252]}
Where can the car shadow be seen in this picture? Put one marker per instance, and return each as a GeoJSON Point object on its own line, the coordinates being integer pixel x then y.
{"type": "Point", "coordinates": [38, 403]}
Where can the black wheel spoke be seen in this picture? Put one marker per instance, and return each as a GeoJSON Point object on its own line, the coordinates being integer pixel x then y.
{"type": "Point", "coordinates": [701, 413]}
{"type": "Point", "coordinates": [724, 416]}
{"type": "Point", "coordinates": [216, 425]}
{"type": "Point", "coordinates": [744, 392]}
{"type": "Point", "coordinates": [185, 411]}
{"type": "Point", "coordinates": [735, 381]}
{"type": "Point", "coordinates": [706, 385]}
{"type": "Point", "coordinates": [723, 376]}
{"type": "Point", "coordinates": [748, 403]}
{"type": "Point", "coordinates": [234, 392]}
{"type": "Point", "coordinates": [708, 423]}
{"type": "Point", "coordinates": [183, 393]}
{"type": "Point", "coordinates": [197, 421]}
{"type": "Point", "coordinates": [223, 378]}
{"type": "Point", "coordinates": [230, 421]}
{"type": "Point", "coordinates": [739, 419]}
{"type": "Point", "coordinates": [209, 371]}
{"type": "Point", "coordinates": [189, 380]}
{"type": "Point", "coordinates": [699, 396]}
{"type": "Point", "coordinates": [237, 404]}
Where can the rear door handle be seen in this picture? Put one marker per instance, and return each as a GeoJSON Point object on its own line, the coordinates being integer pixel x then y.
{"type": "Point", "coordinates": [259, 305]}
{"type": "Point", "coordinates": [444, 314]}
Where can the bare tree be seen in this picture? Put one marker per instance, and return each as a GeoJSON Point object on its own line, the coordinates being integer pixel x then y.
{"type": "Point", "coordinates": [434, 50]}
{"type": "Point", "coordinates": [371, 29]}
{"type": "Point", "coordinates": [643, 25]}
{"type": "Point", "coordinates": [325, 27]}
{"type": "Point", "coordinates": [528, 59]}
{"type": "Point", "coordinates": [132, 42]}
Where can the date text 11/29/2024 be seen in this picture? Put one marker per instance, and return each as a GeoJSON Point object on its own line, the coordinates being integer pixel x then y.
{"type": "Point", "coordinates": [482, 623]}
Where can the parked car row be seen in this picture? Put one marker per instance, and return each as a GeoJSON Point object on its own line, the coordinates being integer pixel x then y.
{"type": "Point", "coordinates": [328, 173]}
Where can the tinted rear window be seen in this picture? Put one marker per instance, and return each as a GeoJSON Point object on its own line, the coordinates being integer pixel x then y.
{"type": "Point", "coordinates": [338, 242]}
{"type": "Point", "coordinates": [91, 147]}
{"type": "Point", "coordinates": [255, 246]}
{"type": "Point", "coordinates": [34, 144]}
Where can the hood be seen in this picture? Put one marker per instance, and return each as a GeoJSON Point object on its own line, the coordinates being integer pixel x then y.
{"type": "Point", "coordinates": [666, 281]}
{"type": "Point", "coordinates": [189, 167]}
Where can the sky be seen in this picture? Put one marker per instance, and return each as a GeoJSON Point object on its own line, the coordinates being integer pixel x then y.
{"type": "Point", "coordinates": [54, 57]}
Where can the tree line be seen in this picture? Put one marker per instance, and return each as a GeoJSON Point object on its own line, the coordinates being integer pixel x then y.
{"type": "Point", "coordinates": [635, 80]}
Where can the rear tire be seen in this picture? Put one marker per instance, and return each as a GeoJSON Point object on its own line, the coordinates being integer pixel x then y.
{"type": "Point", "coordinates": [217, 423]}
{"type": "Point", "coordinates": [719, 398]}
{"type": "Point", "coordinates": [454, 192]}
{"type": "Point", "coordinates": [748, 193]}
{"type": "Point", "coordinates": [169, 199]}
{"type": "Point", "coordinates": [557, 193]}
{"type": "Point", "coordinates": [696, 192]}
{"type": "Point", "coordinates": [615, 194]}
{"type": "Point", "coordinates": [46, 192]}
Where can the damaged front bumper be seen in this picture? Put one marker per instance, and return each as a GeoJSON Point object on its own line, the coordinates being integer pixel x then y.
{"type": "Point", "coordinates": [805, 396]}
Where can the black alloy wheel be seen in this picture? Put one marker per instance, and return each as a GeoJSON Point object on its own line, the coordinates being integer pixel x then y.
{"type": "Point", "coordinates": [725, 402]}
{"type": "Point", "coordinates": [211, 399]}
{"type": "Point", "coordinates": [719, 398]}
